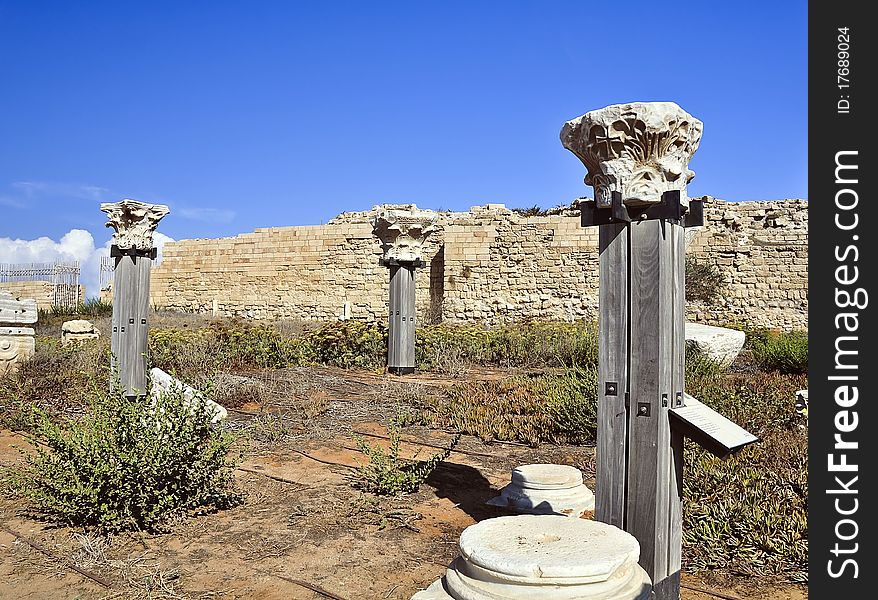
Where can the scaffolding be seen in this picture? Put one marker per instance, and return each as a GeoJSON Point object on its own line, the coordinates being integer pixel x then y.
{"type": "Point", "coordinates": [64, 277]}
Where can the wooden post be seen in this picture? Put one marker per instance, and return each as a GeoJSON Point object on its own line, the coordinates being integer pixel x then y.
{"type": "Point", "coordinates": [653, 471]}
{"type": "Point", "coordinates": [637, 156]}
{"type": "Point", "coordinates": [133, 253]}
{"type": "Point", "coordinates": [130, 321]}
{"type": "Point", "coordinates": [402, 231]}
{"type": "Point", "coordinates": [401, 320]}
{"type": "Point", "coordinates": [612, 441]}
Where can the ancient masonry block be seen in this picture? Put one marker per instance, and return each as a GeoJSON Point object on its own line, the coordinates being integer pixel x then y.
{"type": "Point", "coordinates": [641, 150]}
{"type": "Point", "coordinates": [16, 343]}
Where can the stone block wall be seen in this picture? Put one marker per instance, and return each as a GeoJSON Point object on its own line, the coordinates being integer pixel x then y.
{"type": "Point", "coordinates": [762, 250]}
{"type": "Point", "coordinates": [488, 265]}
{"type": "Point", "coordinates": [45, 293]}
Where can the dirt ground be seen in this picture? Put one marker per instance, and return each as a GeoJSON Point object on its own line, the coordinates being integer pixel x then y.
{"type": "Point", "coordinates": [304, 531]}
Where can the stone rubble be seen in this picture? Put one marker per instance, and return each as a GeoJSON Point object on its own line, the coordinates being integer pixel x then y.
{"type": "Point", "coordinates": [78, 331]}
{"type": "Point", "coordinates": [161, 382]}
{"type": "Point", "coordinates": [719, 343]}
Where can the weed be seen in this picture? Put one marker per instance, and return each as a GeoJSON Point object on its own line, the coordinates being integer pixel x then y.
{"type": "Point", "coordinates": [386, 473]}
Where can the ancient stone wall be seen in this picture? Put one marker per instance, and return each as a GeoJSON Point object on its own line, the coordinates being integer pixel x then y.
{"type": "Point", "coordinates": [488, 265]}
{"type": "Point", "coordinates": [46, 293]}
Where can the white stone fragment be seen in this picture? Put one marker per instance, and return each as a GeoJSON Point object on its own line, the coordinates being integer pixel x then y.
{"type": "Point", "coordinates": [16, 345]}
{"type": "Point", "coordinates": [78, 330]}
{"type": "Point", "coordinates": [640, 149]}
{"type": "Point", "coordinates": [402, 230]}
{"type": "Point", "coordinates": [543, 557]}
{"type": "Point", "coordinates": [161, 382]}
{"type": "Point", "coordinates": [133, 222]}
{"type": "Point", "coordinates": [546, 489]}
{"type": "Point", "coordinates": [719, 343]}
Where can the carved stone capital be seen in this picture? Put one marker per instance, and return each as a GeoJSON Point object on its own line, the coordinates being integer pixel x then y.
{"type": "Point", "coordinates": [641, 150]}
{"type": "Point", "coordinates": [402, 230]}
{"type": "Point", "coordinates": [133, 222]}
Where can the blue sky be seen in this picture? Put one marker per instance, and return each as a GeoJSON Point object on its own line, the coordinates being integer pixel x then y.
{"type": "Point", "coordinates": [248, 114]}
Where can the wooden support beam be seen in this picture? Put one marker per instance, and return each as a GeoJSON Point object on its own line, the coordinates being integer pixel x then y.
{"type": "Point", "coordinates": [612, 375]}
{"type": "Point", "coordinates": [401, 319]}
{"type": "Point", "coordinates": [655, 368]}
{"type": "Point", "coordinates": [130, 322]}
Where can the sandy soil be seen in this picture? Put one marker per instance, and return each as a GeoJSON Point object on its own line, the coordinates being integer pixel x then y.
{"type": "Point", "coordinates": [304, 532]}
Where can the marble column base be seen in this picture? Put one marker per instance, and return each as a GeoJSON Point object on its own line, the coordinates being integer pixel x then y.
{"type": "Point", "coordinates": [543, 557]}
{"type": "Point", "coordinates": [546, 489]}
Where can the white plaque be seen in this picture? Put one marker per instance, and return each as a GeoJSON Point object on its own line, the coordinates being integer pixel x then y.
{"type": "Point", "coordinates": [708, 428]}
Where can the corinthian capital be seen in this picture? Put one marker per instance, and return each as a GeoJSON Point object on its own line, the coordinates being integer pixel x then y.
{"type": "Point", "coordinates": [402, 230]}
{"type": "Point", "coordinates": [641, 150]}
{"type": "Point", "coordinates": [133, 222]}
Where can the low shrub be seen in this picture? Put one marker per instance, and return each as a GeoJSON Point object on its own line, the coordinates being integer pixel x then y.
{"type": "Point", "coordinates": [749, 513]}
{"type": "Point", "coordinates": [350, 344]}
{"type": "Point", "coordinates": [786, 352]}
{"type": "Point", "coordinates": [704, 282]}
{"type": "Point", "coordinates": [386, 474]}
{"type": "Point", "coordinates": [54, 377]}
{"type": "Point", "coordinates": [555, 408]}
{"type": "Point", "coordinates": [128, 464]}
{"type": "Point", "coordinates": [523, 344]}
{"type": "Point", "coordinates": [91, 308]}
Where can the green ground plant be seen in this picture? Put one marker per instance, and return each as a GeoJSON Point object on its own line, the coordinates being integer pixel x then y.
{"type": "Point", "coordinates": [704, 282]}
{"type": "Point", "coordinates": [786, 352]}
{"type": "Point", "coordinates": [127, 465]}
{"type": "Point", "coordinates": [550, 407]}
{"type": "Point", "coordinates": [386, 473]}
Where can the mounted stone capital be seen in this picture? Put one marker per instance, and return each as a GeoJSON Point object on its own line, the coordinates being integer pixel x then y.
{"type": "Point", "coordinates": [402, 230]}
{"type": "Point", "coordinates": [641, 150]}
{"type": "Point", "coordinates": [133, 222]}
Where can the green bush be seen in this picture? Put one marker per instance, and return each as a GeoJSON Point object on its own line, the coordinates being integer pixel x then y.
{"type": "Point", "coordinates": [128, 464]}
{"type": "Point", "coordinates": [555, 408]}
{"type": "Point", "coordinates": [748, 513]}
{"type": "Point", "coordinates": [91, 308]}
{"type": "Point", "coordinates": [704, 282]}
{"type": "Point", "coordinates": [386, 473]}
{"type": "Point", "coordinates": [522, 344]}
{"type": "Point", "coordinates": [350, 344]}
{"type": "Point", "coordinates": [786, 352]}
{"type": "Point", "coordinates": [245, 345]}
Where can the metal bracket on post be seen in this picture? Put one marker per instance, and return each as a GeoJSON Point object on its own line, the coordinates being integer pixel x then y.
{"type": "Point", "coordinates": [117, 252]}
{"type": "Point", "coordinates": [669, 208]}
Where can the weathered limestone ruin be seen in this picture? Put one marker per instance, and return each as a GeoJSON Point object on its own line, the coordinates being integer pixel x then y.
{"type": "Point", "coordinates": [78, 331]}
{"type": "Point", "coordinates": [16, 343]}
{"type": "Point", "coordinates": [489, 265]}
{"type": "Point", "coordinates": [543, 557]}
{"type": "Point", "coordinates": [132, 248]}
{"type": "Point", "coordinates": [639, 149]}
{"type": "Point", "coordinates": [402, 231]}
{"type": "Point", "coordinates": [163, 383]}
{"type": "Point", "coordinates": [546, 489]}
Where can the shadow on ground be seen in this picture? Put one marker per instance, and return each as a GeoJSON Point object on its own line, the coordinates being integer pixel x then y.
{"type": "Point", "coordinates": [467, 488]}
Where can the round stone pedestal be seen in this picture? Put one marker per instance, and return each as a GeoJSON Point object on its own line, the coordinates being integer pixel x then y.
{"type": "Point", "coordinates": [543, 557]}
{"type": "Point", "coordinates": [546, 489]}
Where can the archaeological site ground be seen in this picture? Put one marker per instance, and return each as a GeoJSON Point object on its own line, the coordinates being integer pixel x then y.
{"type": "Point", "coordinates": [353, 410]}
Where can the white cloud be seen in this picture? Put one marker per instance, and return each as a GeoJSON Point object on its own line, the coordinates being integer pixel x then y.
{"type": "Point", "coordinates": [60, 189]}
{"type": "Point", "coordinates": [75, 245]}
{"type": "Point", "coordinates": [207, 215]}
